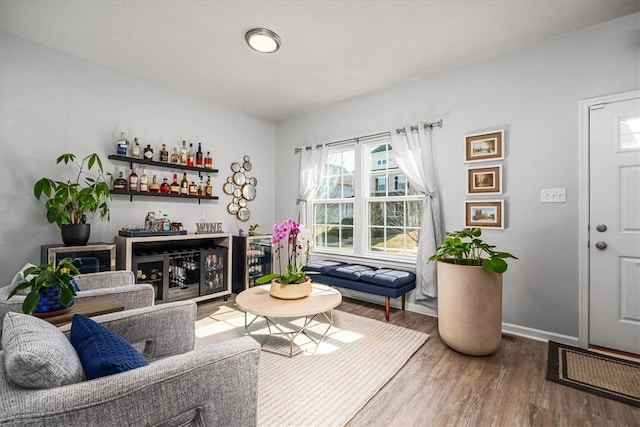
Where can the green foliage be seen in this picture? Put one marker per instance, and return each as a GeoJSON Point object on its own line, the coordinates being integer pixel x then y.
{"type": "Point", "coordinates": [466, 248]}
{"type": "Point", "coordinates": [47, 276]}
{"type": "Point", "coordinates": [68, 201]}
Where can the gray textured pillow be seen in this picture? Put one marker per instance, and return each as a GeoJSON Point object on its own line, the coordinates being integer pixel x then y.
{"type": "Point", "coordinates": [37, 354]}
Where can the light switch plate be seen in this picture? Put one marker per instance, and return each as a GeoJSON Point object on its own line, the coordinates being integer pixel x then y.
{"type": "Point", "coordinates": [553, 195]}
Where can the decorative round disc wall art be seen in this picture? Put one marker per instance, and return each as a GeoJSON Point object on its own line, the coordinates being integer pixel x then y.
{"type": "Point", "coordinates": [241, 188]}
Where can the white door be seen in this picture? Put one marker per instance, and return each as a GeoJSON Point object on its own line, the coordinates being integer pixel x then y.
{"type": "Point", "coordinates": [614, 225]}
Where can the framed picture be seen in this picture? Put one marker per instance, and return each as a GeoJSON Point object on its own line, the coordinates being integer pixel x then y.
{"type": "Point", "coordinates": [485, 214]}
{"type": "Point", "coordinates": [485, 146]}
{"type": "Point", "coordinates": [486, 180]}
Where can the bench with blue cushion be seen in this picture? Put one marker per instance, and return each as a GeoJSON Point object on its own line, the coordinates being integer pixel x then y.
{"type": "Point", "coordinates": [387, 282]}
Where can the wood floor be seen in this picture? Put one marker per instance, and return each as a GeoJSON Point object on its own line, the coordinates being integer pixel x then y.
{"type": "Point", "coordinates": [440, 387]}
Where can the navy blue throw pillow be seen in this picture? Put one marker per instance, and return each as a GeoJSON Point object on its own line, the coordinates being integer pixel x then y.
{"type": "Point", "coordinates": [102, 352]}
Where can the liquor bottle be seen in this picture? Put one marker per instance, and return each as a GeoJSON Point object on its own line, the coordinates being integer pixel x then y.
{"type": "Point", "coordinates": [135, 151]}
{"type": "Point", "coordinates": [193, 189]}
{"type": "Point", "coordinates": [165, 188]}
{"type": "Point", "coordinates": [183, 153]}
{"type": "Point", "coordinates": [133, 180]}
{"type": "Point", "coordinates": [175, 157]}
{"type": "Point", "coordinates": [154, 187]}
{"type": "Point", "coordinates": [175, 185]}
{"type": "Point", "coordinates": [191, 156]}
{"type": "Point", "coordinates": [120, 183]}
{"type": "Point", "coordinates": [209, 187]}
{"type": "Point", "coordinates": [208, 161]}
{"type": "Point", "coordinates": [148, 152]}
{"type": "Point", "coordinates": [184, 185]}
{"type": "Point", "coordinates": [144, 180]}
{"type": "Point", "coordinates": [122, 145]}
{"type": "Point", "coordinates": [199, 156]}
{"type": "Point", "coordinates": [202, 190]}
{"type": "Point", "coordinates": [164, 153]}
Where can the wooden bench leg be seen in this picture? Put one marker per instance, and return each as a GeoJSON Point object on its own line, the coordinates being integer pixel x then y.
{"type": "Point", "coordinates": [387, 307]}
{"type": "Point", "coordinates": [403, 299]}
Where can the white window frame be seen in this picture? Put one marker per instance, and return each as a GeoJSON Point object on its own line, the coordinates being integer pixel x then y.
{"type": "Point", "coordinates": [361, 199]}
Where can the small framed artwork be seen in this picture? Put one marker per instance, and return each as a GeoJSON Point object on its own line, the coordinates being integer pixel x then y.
{"type": "Point", "coordinates": [484, 180]}
{"type": "Point", "coordinates": [484, 147]}
{"type": "Point", "coordinates": [485, 213]}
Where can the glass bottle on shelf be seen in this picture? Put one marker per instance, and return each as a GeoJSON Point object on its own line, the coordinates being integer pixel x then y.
{"type": "Point", "coordinates": [122, 145]}
{"type": "Point", "coordinates": [209, 187]}
{"type": "Point", "coordinates": [148, 152]}
{"type": "Point", "coordinates": [165, 188]}
{"type": "Point", "coordinates": [201, 187]}
{"type": "Point", "coordinates": [135, 150]}
{"type": "Point", "coordinates": [175, 157]}
{"type": "Point", "coordinates": [193, 189]}
{"type": "Point", "coordinates": [208, 160]}
{"type": "Point", "coordinates": [199, 156]}
{"type": "Point", "coordinates": [191, 156]}
{"type": "Point", "coordinates": [184, 185]}
{"type": "Point", "coordinates": [144, 180]}
{"type": "Point", "coordinates": [183, 153]}
{"type": "Point", "coordinates": [164, 154]}
{"type": "Point", "coordinates": [133, 180]}
{"type": "Point", "coordinates": [120, 182]}
{"type": "Point", "coordinates": [154, 187]}
{"type": "Point", "coordinates": [175, 185]}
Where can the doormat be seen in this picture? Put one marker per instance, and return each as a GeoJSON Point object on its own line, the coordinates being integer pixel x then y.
{"type": "Point", "coordinates": [596, 373]}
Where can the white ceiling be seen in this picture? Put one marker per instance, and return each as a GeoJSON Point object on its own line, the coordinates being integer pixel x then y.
{"type": "Point", "coordinates": [331, 50]}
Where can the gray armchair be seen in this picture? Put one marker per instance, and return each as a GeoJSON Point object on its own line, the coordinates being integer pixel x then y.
{"type": "Point", "coordinates": [120, 284]}
{"type": "Point", "coordinates": [214, 385]}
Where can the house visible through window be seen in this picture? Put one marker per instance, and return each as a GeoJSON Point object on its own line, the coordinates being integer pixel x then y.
{"type": "Point", "coordinates": [365, 206]}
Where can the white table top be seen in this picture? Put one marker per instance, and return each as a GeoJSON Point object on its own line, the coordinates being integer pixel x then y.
{"type": "Point", "coordinates": [257, 301]}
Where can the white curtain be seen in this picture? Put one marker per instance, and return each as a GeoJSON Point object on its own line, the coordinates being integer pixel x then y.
{"type": "Point", "coordinates": [311, 167]}
{"type": "Point", "coordinates": [412, 153]}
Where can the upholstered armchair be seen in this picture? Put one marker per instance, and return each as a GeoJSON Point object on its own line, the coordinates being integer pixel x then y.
{"type": "Point", "coordinates": [120, 284]}
{"type": "Point", "coordinates": [213, 385]}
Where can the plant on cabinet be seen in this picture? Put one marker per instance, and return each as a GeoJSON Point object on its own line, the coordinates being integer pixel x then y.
{"type": "Point", "coordinates": [69, 201]}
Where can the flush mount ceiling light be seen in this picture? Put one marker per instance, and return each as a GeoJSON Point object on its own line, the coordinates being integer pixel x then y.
{"type": "Point", "coordinates": [262, 40]}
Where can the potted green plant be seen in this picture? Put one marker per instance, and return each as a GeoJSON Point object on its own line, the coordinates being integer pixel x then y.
{"type": "Point", "coordinates": [51, 289]}
{"type": "Point", "coordinates": [470, 292]}
{"type": "Point", "coordinates": [289, 235]}
{"type": "Point", "coordinates": [69, 201]}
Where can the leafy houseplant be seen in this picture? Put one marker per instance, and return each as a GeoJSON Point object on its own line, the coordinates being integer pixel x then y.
{"type": "Point", "coordinates": [290, 237]}
{"type": "Point", "coordinates": [470, 292]}
{"type": "Point", "coordinates": [69, 201]}
{"type": "Point", "coordinates": [47, 277]}
{"type": "Point", "coordinates": [466, 248]}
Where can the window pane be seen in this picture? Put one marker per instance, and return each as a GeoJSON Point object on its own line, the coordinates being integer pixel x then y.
{"type": "Point", "coordinates": [395, 214]}
{"type": "Point", "coordinates": [376, 237]}
{"type": "Point", "coordinates": [320, 236]}
{"type": "Point", "coordinates": [414, 213]}
{"type": "Point", "coordinates": [320, 213]}
{"type": "Point", "coordinates": [333, 213]}
{"type": "Point", "coordinates": [376, 213]}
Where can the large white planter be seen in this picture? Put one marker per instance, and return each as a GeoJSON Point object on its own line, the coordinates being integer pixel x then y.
{"type": "Point", "coordinates": [469, 308]}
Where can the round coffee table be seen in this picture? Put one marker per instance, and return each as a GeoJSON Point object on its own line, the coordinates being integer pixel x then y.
{"type": "Point", "coordinates": [257, 301]}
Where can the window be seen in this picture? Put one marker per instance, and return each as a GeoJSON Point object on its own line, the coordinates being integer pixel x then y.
{"type": "Point", "coordinates": [333, 205]}
{"type": "Point", "coordinates": [365, 206]}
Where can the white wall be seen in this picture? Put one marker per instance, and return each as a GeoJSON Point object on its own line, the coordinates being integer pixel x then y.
{"type": "Point", "coordinates": [52, 103]}
{"type": "Point", "coordinates": [533, 94]}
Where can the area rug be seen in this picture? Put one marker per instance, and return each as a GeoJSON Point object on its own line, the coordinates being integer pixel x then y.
{"type": "Point", "coordinates": [596, 373]}
{"type": "Point", "coordinates": [324, 385]}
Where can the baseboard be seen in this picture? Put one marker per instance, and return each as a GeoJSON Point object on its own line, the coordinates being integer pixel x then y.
{"type": "Point", "coordinates": [507, 328]}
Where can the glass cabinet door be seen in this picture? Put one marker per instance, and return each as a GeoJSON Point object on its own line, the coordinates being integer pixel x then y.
{"type": "Point", "coordinates": [214, 271]}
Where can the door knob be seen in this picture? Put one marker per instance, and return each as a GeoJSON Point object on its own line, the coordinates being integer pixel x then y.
{"type": "Point", "coordinates": [601, 228]}
{"type": "Point", "coordinates": [601, 245]}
